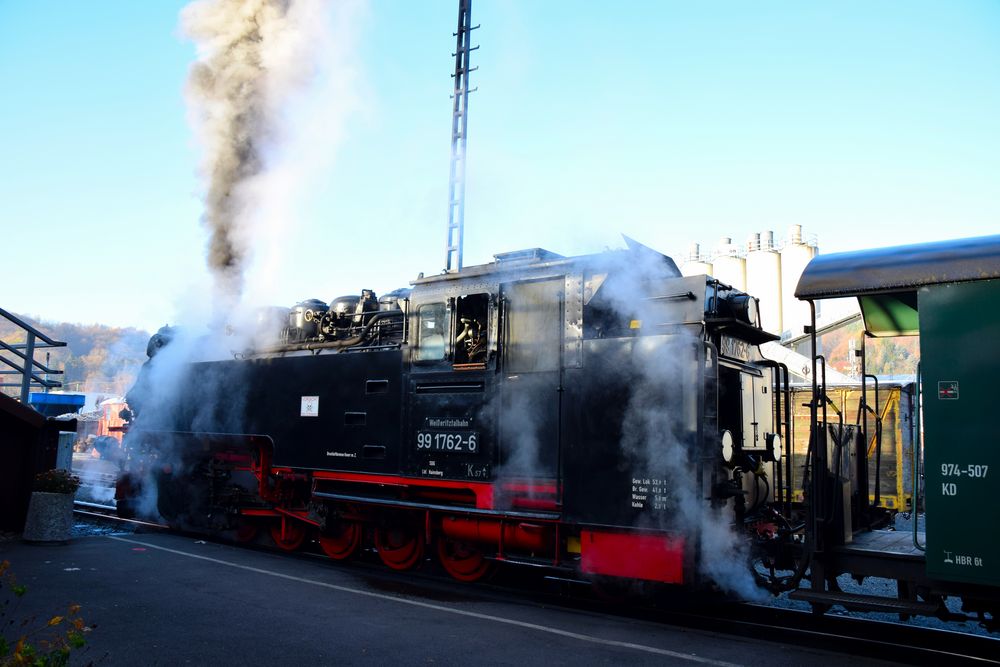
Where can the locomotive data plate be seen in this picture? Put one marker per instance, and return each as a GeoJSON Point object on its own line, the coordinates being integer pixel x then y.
{"type": "Point", "coordinates": [459, 442]}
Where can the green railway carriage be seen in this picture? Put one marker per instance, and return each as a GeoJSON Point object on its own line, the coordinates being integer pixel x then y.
{"type": "Point", "coordinates": [948, 293]}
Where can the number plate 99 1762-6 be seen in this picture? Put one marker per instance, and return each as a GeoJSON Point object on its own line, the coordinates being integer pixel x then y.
{"type": "Point", "coordinates": [460, 442]}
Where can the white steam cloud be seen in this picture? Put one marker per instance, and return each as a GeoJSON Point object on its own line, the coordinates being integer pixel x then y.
{"type": "Point", "coordinates": [258, 59]}
{"type": "Point", "coordinates": [660, 425]}
{"type": "Point", "coordinates": [269, 96]}
{"type": "Point", "coordinates": [171, 393]}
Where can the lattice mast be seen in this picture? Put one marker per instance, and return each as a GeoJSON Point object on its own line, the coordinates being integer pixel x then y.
{"type": "Point", "coordinates": [459, 132]}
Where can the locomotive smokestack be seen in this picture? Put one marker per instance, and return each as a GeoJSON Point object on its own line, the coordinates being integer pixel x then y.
{"type": "Point", "coordinates": [250, 57]}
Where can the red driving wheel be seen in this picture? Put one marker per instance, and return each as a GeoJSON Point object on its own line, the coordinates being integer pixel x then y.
{"type": "Point", "coordinates": [247, 531]}
{"type": "Point", "coordinates": [288, 534]}
{"type": "Point", "coordinates": [399, 546]}
{"type": "Point", "coordinates": [342, 541]}
{"type": "Point", "coordinates": [462, 560]}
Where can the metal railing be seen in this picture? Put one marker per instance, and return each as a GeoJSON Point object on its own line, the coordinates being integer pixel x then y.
{"type": "Point", "coordinates": [21, 358]}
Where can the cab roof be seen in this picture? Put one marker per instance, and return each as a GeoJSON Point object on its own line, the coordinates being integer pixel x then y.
{"type": "Point", "coordinates": [539, 258]}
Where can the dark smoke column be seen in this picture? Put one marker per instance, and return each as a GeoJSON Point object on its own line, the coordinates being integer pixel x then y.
{"type": "Point", "coordinates": [249, 61]}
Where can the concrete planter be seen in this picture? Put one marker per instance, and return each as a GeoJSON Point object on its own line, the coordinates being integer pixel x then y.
{"type": "Point", "coordinates": [50, 518]}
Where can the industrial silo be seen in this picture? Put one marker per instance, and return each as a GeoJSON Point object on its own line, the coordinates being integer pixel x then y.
{"type": "Point", "coordinates": [764, 279]}
{"type": "Point", "coordinates": [695, 264]}
{"type": "Point", "coordinates": [794, 256]}
{"type": "Point", "coordinates": [729, 266]}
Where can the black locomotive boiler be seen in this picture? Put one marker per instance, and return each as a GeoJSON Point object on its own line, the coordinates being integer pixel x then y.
{"type": "Point", "coordinates": [600, 415]}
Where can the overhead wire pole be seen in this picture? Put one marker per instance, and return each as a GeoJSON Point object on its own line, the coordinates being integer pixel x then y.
{"type": "Point", "coordinates": [459, 132]}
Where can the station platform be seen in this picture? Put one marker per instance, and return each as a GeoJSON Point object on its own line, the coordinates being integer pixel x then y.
{"type": "Point", "coordinates": [166, 599]}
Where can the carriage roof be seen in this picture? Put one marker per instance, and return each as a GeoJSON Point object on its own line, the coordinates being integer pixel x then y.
{"type": "Point", "coordinates": [885, 280]}
{"type": "Point", "coordinates": [900, 268]}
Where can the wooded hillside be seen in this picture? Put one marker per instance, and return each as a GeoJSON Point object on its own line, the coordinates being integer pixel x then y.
{"type": "Point", "coordinates": [96, 358]}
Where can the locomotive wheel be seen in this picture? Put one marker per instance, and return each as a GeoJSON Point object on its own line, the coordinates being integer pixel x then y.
{"type": "Point", "coordinates": [288, 534]}
{"type": "Point", "coordinates": [400, 546]}
{"type": "Point", "coordinates": [343, 541]}
{"type": "Point", "coordinates": [247, 531]}
{"type": "Point", "coordinates": [462, 560]}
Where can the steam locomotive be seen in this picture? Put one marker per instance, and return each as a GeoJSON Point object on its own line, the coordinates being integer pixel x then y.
{"type": "Point", "coordinates": [599, 415]}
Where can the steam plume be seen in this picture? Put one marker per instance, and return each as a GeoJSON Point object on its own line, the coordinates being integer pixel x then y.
{"type": "Point", "coordinates": [252, 56]}
{"type": "Point", "coordinates": [659, 428]}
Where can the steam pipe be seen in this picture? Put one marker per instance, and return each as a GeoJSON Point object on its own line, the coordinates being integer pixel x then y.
{"type": "Point", "coordinates": [336, 344]}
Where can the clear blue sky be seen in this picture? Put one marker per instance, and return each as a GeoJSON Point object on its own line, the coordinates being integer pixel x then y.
{"type": "Point", "coordinates": [869, 123]}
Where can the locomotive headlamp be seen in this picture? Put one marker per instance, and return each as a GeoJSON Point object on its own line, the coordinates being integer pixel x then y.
{"type": "Point", "coordinates": [745, 307]}
{"type": "Point", "coordinates": [773, 441]}
{"type": "Point", "coordinates": [753, 316]}
{"type": "Point", "coordinates": [727, 447]}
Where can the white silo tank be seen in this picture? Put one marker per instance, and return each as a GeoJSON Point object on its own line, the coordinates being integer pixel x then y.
{"type": "Point", "coordinates": [729, 267]}
{"type": "Point", "coordinates": [695, 264]}
{"type": "Point", "coordinates": [764, 280]}
{"type": "Point", "coordinates": [794, 256]}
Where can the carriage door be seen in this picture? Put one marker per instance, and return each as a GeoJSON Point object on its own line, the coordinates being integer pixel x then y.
{"type": "Point", "coordinates": [531, 381]}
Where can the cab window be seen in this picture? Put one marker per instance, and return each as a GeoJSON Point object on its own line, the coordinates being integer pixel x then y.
{"type": "Point", "coordinates": [431, 332]}
{"type": "Point", "coordinates": [471, 319]}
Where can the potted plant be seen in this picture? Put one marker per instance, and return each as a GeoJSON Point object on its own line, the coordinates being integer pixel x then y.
{"type": "Point", "coordinates": [50, 512]}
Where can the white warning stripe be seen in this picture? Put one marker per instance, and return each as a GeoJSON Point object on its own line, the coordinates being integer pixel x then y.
{"type": "Point", "coordinates": [442, 608]}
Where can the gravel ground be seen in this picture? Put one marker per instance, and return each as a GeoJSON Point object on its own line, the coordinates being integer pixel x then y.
{"type": "Point", "coordinates": [886, 588]}
{"type": "Point", "coordinates": [88, 527]}
{"type": "Point", "coordinates": [84, 527]}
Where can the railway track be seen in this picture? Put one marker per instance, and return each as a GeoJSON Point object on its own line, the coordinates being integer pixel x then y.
{"type": "Point", "coordinates": [106, 513]}
{"type": "Point", "coordinates": [850, 635]}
